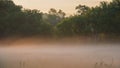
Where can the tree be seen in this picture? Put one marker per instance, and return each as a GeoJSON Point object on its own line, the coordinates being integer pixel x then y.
{"type": "Point", "coordinates": [54, 16]}
{"type": "Point", "coordinates": [53, 11]}
{"type": "Point", "coordinates": [15, 21]}
{"type": "Point", "coordinates": [82, 9]}
{"type": "Point", "coordinates": [61, 14]}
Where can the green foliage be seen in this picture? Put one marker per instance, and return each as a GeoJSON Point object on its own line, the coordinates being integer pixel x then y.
{"type": "Point", "coordinates": [93, 21]}
{"type": "Point", "coordinates": [15, 21]}
{"type": "Point", "coordinates": [104, 19]}
{"type": "Point", "coordinates": [82, 9]}
{"type": "Point", "coordinates": [54, 16]}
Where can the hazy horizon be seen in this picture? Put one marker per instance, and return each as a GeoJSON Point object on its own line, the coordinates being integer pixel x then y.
{"type": "Point", "coordinates": [68, 6]}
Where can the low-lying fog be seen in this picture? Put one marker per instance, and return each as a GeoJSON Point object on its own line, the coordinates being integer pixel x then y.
{"type": "Point", "coordinates": [60, 56]}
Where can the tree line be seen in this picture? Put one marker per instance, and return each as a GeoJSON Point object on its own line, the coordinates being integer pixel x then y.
{"type": "Point", "coordinates": [99, 20]}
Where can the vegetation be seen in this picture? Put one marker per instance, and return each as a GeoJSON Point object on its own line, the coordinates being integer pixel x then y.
{"type": "Point", "coordinates": [102, 20]}
{"type": "Point", "coordinates": [14, 20]}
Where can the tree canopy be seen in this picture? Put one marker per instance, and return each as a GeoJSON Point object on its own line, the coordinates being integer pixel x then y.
{"type": "Point", "coordinates": [102, 19]}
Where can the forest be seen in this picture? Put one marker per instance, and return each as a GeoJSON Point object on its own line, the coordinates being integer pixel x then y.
{"type": "Point", "coordinates": [100, 21]}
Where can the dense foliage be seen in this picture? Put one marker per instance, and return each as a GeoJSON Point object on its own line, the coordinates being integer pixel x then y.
{"type": "Point", "coordinates": [102, 19]}
{"type": "Point", "coordinates": [17, 21]}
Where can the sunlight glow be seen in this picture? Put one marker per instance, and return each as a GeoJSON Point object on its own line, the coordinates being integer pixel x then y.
{"type": "Point", "coordinates": [67, 6]}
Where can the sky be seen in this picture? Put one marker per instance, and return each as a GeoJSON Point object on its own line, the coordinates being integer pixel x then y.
{"type": "Point", "coordinates": [68, 6]}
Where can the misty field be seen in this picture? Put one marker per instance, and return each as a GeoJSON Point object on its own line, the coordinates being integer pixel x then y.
{"type": "Point", "coordinates": [71, 35]}
{"type": "Point", "coordinates": [49, 56]}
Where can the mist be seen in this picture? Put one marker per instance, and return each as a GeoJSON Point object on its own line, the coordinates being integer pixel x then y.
{"type": "Point", "coordinates": [60, 56]}
{"type": "Point", "coordinates": [88, 38]}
